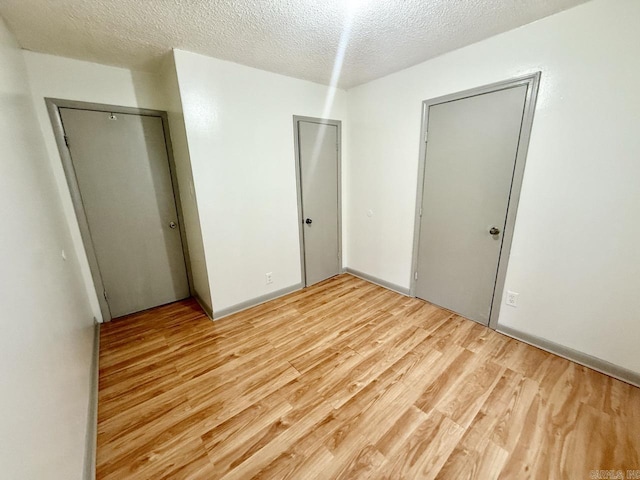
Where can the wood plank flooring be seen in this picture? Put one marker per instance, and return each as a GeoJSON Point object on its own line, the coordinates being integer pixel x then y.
{"type": "Point", "coordinates": [349, 380]}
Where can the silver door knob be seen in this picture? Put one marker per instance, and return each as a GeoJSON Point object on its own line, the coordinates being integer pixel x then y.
{"type": "Point", "coordinates": [173, 224]}
{"type": "Point", "coordinates": [494, 231]}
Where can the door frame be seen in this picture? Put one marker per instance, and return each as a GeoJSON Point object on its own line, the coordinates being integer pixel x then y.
{"type": "Point", "coordinates": [532, 82]}
{"type": "Point", "coordinates": [53, 107]}
{"type": "Point", "coordinates": [296, 142]}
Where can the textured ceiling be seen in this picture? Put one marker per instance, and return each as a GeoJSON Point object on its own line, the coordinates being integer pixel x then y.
{"type": "Point", "coordinates": [300, 38]}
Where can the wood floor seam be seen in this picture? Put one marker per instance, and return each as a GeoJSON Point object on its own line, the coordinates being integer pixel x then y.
{"type": "Point", "coordinates": [347, 379]}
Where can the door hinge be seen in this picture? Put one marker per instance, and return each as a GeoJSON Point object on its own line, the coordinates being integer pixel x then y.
{"type": "Point", "coordinates": [104, 294]}
{"type": "Point", "coordinates": [415, 276]}
{"type": "Point", "coordinates": [426, 135]}
{"type": "Point", "coordinates": [66, 141]}
{"type": "Point", "coordinates": [420, 212]}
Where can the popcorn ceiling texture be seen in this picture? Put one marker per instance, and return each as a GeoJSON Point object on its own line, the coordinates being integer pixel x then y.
{"type": "Point", "coordinates": [298, 38]}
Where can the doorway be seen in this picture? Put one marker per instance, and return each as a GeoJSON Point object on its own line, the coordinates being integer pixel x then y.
{"type": "Point", "coordinates": [119, 169]}
{"type": "Point", "coordinates": [318, 151]}
{"type": "Point", "coordinates": [472, 160]}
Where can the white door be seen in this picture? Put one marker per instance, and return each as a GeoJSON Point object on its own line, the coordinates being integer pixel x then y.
{"type": "Point", "coordinates": [318, 154]}
{"type": "Point", "coordinates": [469, 167]}
{"type": "Point", "coordinates": [122, 169]}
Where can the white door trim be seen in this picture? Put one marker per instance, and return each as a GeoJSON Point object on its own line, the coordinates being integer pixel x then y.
{"type": "Point", "coordinates": [532, 82]}
{"type": "Point", "coordinates": [296, 141]}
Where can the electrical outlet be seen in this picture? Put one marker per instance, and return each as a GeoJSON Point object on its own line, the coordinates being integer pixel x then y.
{"type": "Point", "coordinates": [512, 298]}
{"type": "Point", "coordinates": [268, 278]}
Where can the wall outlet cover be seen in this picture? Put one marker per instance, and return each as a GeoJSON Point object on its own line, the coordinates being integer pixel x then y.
{"type": "Point", "coordinates": [512, 299]}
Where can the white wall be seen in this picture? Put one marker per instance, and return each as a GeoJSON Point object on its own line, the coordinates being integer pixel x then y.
{"type": "Point", "coordinates": [185, 183]}
{"type": "Point", "coordinates": [239, 124]}
{"type": "Point", "coordinates": [576, 258]}
{"type": "Point", "coordinates": [65, 78]}
{"type": "Point", "coordinates": [46, 321]}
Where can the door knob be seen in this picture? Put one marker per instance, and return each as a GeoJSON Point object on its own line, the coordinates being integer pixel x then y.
{"type": "Point", "coordinates": [308, 221]}
{"type": "Point", "coordinates": [494, 231]}
{"type": "Point", "coordinates": [172, 225]}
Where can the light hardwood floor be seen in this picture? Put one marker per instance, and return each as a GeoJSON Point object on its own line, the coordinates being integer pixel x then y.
{"type": "Point", "coordinates": [349, 380]}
